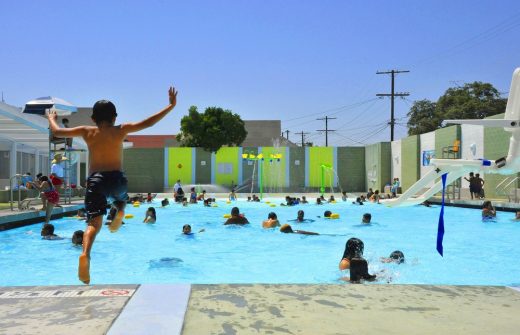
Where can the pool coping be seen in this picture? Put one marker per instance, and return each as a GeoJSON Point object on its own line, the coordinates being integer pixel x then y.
{"type": "Point", "coordinates": [16, 219]}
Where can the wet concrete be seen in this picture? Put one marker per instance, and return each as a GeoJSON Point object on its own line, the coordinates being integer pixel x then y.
{"type": "Point", "coordinates": [261, 309]}
{"type": "Point", "coordinates": [352, 309]}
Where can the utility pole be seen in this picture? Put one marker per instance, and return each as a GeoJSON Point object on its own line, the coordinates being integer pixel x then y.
{"type": "Point", "coordinates": [303, 137]}
{"type": "Point", "coordinates": [287, 132]}
{"type": "Point", "coordinates": [326, 130]}
{"type": "Point", "coordinates": [392, 95]}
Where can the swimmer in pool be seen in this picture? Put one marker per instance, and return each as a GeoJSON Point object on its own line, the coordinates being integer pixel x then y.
{"type": "Point", "coordinates": [488, 211]}
{"type": "Point", "coordinates": [352, 247]}
{"type": "Point", "coordinates": [77, 237]}
{"type": "Point", "coordinates": [236, 218]}
{"type": "Point", "coordinates": [344, 196]}
{"type": "Point", "coordinates": [301, 217]}
{"type": "Point", "coordinates": [287, 229]}
{"type": "Point", "coordinates": [367, 217]}
{"type": "Point", "coordinates": [271, 222]}
{"type": "Point", "coordinates": [186, 230]}
{"type": "Point", "coordinates": [165, 202]}
{"type": "Point", "coordinates": [354, 261]}
{"type": "Point", "coordinates": [396, 257]}
{"type": "Point", "coordinates": [106, 179]}
{"type": "Point", "coordinates": [47, 232]}
{"type": "Point", "coordinates": [150, 216]}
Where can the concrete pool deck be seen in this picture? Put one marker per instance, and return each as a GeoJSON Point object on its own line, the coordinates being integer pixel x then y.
{"type": "Point", "coordinates": [259, 309]}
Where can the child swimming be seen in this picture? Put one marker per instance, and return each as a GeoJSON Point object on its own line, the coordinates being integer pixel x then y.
{"type": "Point", "coordinates": [106, 179]}
{"type": "Point", "coordinates": [150, 216]}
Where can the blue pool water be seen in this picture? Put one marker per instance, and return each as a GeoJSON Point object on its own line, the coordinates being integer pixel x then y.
{"type": "Point", "coordinates": [475, 252]}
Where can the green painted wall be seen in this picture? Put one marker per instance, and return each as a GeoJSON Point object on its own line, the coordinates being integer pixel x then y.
{"type": "Point", "coordinates": [297, 172]}
{"type": "Point", "coordinates": [180, 165]}
{"type": "Point", "coordinates": [351, 168]}
{"type": "Point", "coordinates": [247, 170]}
{"type": "Point", "coordinates": [378, 165]}
{"type": "Point", "coordinates": [410, 161]}
{"type": "Point", "coordinates": [144, 169]}
{"type": "Point", "coordinates": [445, 137]}
{"type": "Point", "coordinates": [496, 145]}
{"type": "Point", "coordinates": [227, 156]}
{"type": "Point", "coordinates": [202, 172]}
{"type": "Point", "coordinates": [317, 157]}
{"type": "Point", "coordinates": [273, 170]}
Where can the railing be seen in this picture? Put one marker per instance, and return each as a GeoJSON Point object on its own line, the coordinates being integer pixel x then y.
{"type": "Point", "coordinates": [18, 178]}
{"type": "Point", "coordinates": [502, 189]}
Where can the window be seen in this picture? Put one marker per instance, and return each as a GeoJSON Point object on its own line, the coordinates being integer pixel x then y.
{"type": "Point", "coordinates": [225, 168]}
{"type": "Point", "coordinates": [5, 163]}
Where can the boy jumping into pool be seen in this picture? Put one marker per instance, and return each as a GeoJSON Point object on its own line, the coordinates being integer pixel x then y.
{"type": "Point", "coordinates": [106, 179]}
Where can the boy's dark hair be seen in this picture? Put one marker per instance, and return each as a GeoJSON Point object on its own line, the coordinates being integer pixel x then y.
{"type": "Point", "coordinates": [272, 216]}
{"type": "Point", "coordinates": [47, 229]}
{"type": "Point", "coordinates": [235, 211]}
{"type": "Point", "coordinates": [103, 111]}
{"type": "Point", "coordinates": [64, 120]}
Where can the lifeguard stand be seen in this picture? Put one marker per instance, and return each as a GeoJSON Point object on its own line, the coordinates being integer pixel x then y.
{"type": "Point", "coordinates": [41, 106]}
{"type": "Point", "coordinates": [453, 152]}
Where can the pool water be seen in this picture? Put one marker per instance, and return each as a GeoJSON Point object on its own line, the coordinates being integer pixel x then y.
{"type": "Point", "coordinates": [475, 252]}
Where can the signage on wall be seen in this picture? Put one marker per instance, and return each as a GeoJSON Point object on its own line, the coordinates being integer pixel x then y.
{"type": "Point", "coordinates": [427, 155]}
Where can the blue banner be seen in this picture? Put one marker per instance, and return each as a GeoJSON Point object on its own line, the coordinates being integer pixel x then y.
{"type": "Point", "coordinates": [440, 229]}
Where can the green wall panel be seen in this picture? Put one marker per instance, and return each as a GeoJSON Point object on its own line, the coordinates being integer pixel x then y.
{"type": "Point", "coordinates": [273, 171]}
{"type": "Point", "coordinates": [229, 157]}
{"type": "Point", "coordinates": [297, 172]}
{"type": "Point", "coordinates": [410, 168]}
{"type": "Point", "coordinates": [317, 157]}
{"type": "Point", "coordinates": [377, 164]}
{"type": "Point", "coordinates": [351, 168]}
{"type": "Point", "coordinates": [202, 172]}
{"type": "Point", "coordinates": [496, 145]}
{"type": "Point", "coordinates": [144, 169]}
{"type": "Point", "coordinates": [247, 170]}
{"type": "Point", "coordinates": [445, 137]}
{"type": "Point", "coordinates": [180, 161]}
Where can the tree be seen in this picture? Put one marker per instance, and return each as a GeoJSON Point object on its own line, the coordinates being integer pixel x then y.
{"type": "Point", "coordinates": [211, 130]}
{"type": "Point", "coordinates": [475, 100]}
{"type": "Point", "coordinates": [423, 117]}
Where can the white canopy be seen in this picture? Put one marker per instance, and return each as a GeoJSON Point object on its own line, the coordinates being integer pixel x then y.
{"type": "Point", "coordinates": [27, 129]}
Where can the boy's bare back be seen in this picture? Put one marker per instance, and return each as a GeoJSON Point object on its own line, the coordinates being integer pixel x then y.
{"type": "Point", "coordinates": [105, 140]}
{"type": "Point", "coordinates": [105, 145]}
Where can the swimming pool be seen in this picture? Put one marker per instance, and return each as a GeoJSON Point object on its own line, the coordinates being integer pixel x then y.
{"type": "Point", "coordinates": [475, 252]}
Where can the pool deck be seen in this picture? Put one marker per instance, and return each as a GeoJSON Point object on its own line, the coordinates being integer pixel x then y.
{"type": "Point", "coordinates": [259, 309]}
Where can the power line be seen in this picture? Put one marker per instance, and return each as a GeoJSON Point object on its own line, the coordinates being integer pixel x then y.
{"type": "Point", "coordinates": [303, 137]}
{"type": "Point", "coordinates": [392, 96]}
{"type": "Point", "coordinates": [326, 130]}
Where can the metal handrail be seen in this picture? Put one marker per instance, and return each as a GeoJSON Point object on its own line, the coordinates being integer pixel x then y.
{"type": "Point", "coordinates": [11, 199]}
{"type": "Point", "coordinates": [512, 181]}
{"type": "Point", "coordinates": [500, 184]}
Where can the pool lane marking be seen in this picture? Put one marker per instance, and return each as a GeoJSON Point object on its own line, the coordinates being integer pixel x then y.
{"type": "Point", "coordinates": [108, 293]}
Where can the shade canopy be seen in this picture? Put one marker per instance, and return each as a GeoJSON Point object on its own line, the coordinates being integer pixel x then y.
{"type": "Point", "coordinates": [40, 105]}
{"type": "Point", "coordinates": [27, 129]}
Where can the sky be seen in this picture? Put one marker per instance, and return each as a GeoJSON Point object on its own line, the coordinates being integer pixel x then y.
{"type": "Point", "coordinates": [294, 61]}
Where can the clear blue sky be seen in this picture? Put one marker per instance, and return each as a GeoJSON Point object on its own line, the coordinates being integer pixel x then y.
{"type": "Point", "coordinates": [288, 60]}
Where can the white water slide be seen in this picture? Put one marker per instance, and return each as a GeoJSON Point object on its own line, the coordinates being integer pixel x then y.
{"type": "Point", "coordinates": [456, 168]}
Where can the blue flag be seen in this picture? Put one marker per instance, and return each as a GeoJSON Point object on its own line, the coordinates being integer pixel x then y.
{"type": "Point", "coordinates": [440, 229]}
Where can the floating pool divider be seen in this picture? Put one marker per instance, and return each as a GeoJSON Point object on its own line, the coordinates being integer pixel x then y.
{"type": "Point", "coordinates": [226, 216]}
{"type": "Point", "coordinates": [129, 216]}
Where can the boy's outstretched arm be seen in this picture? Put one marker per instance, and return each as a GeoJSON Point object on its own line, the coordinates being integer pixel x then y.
{"type": "Point", "coordinates": [63, 132]}
{"type": "Point", "coordinates": [150, 121]}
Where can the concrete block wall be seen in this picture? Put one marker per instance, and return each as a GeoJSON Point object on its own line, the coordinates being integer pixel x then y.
{"type": "Point", "coordinates": [144, 169]}
{"type": "Point", "coordinates": [410, 166]}
{"type": "Point", "coordinates": [378, 165]}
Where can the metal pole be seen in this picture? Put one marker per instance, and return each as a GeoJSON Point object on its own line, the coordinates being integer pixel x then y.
{"type": "Point", "coordinates": [392, 120]}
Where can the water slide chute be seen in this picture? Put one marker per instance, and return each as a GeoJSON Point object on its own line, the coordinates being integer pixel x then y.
{"type": "Point", "coordinates": [456, 168]}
